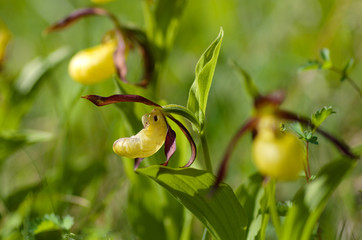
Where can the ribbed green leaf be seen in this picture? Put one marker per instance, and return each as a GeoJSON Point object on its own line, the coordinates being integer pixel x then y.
{"type": "Point", "coordinates": [221, 213]}
{"type": "Point", "coordinates": [147, 208]}
{"type": "Point", "coordinates": [204, 73]}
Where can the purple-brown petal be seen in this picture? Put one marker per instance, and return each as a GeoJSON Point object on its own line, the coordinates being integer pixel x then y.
{"type": "Point", "coordinates": [137, 162]}
{"type": "Point", "coordinates": [78, 14]}
{"type": "Point", "coordinates": [249, 125]}
{"type": "Point", "coordinates": [170, 144]}
{"type": "Point", "coordinates": [275, 98]}
{"type": "Point", "coordinates": [139, 38]}
{"type": "Point", "coordinates": [101, 101]}
{"type": "Point", "coordinates": [119, 57]}
{"type": "Point", "coordinates": [189, 138]}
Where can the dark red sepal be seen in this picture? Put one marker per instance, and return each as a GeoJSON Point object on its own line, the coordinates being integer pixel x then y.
{"type": "Point", "coordinates": [137, 162]}
{"type": "Point", "coordinates": [101, 101]}
{"type": "Point", "coordinates": [79, 14]}
{"type": "Point", "coordinates": [249, 125]}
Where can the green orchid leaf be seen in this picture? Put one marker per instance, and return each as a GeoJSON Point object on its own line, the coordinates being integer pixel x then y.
{"type": "Point", "coordinates": [221, 213]}
{"type": "Point", "coordinates": [147, 208]}
{"type": "Point", "coordinates": [310, 200]}
{"type": "Point", "coordinates": [204, 73]}
{"type": "Point", "coordinates": [319, 116]}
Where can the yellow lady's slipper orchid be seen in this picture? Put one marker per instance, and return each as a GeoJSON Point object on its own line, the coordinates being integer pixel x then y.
{"type": "Point", "coordinates": [148, 141]}
{"type": "Point", "coordinates": [94, 64]}
{"type": "Point", "coordinates": [277, 154]}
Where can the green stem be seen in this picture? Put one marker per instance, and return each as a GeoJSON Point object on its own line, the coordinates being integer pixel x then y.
{"type": "Point", "coordinates": [206, 234]}
{"type": "Point", "coordinates": [349, 79]}
{"type": "Point", "coordinates": [187, 225]}
{"type": "Point", "coordinates": [354, 85]}
{"type": "Point", "coordinates": [306, 164]}
{"type": "Point", "coordinates": [264, 224]}
{"type": "Point", "coordinates": [205, 150]}
{"type": "Point", "coordinates": [273, 208]}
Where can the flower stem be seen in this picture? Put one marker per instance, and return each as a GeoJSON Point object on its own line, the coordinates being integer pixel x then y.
{"type": "Point", "coordinates": [206, 235]}
{"type": "Point", "coordinates": [349, 79]}
{"type": "Point", "coordinates": [264, 225]}
{"type": "Point", "coordinates": [205, 150]}
{"type": "Point", "coordinates": [354, 85]}
{"type": "Point", "coordinates": [187, 225]}
{"type": "Point", "coordinates": [273, 208]}
{"type": "Point", "coordinates": [306, 164]}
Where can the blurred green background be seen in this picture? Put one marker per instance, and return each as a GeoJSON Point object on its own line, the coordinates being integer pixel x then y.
{"type": "Point", "coordinates": [56, 149]}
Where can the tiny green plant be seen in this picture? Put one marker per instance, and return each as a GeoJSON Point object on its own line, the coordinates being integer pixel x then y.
{"type": "Point", "coordinates": [328, 64]}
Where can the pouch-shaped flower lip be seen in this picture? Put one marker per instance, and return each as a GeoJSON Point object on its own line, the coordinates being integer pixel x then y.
{"type": "Point", "coordinates": [277, 154]}
{"type": "Point", "coordinates": [147, 141]}
{"type": "Point", "coordinates": [93, 65]}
